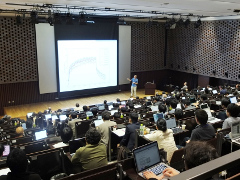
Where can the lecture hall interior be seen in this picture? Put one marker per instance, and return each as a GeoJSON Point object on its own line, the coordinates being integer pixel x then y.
{"type": "Point", "coordinates": [65, 68]}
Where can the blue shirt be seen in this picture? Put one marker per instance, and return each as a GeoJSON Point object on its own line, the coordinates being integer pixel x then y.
{"type": "Point", "coordinates": [134, 81]}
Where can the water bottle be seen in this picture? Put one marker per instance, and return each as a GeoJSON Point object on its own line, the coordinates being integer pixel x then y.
{"type": "Point", "coordinates": [87, 117]}
{"type": "Point", "coordinates": [121, 115]}
{"type": "Point", "coordinates": [141, 130]}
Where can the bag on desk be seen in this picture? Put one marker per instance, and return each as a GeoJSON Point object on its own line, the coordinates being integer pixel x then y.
{"type": "Point", "coordinates": [123, 153]}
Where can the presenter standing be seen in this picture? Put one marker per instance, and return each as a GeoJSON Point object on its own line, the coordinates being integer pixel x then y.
{"type": "Point", "coordinates": [134, 81]}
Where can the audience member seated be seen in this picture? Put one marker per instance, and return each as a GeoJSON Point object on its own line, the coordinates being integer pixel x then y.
{"type": "Point", "coordinates": [95, 112]}
{"type": "Point", "coordinates": [178, 115]}
{"type": "Point", "coordinates": [17, 163]}
{"type": "Point", "coordinates": [29, 124]}
{"type": "Point", "coordinates": [156, 101]}
{"type": "Point", "coordinates": [128, 139]}
{"type": "Point", "coordinates": [222, 114]}
{"type": "Point", "coordinates": [204, 101]}
{"type": "Point", "coordinates": [203, 130]}
{"type": "Point", "coordinates": [222, 90]}
{"type": "Point", "coordinates": [85, 108]}
{"type": "Point", "coordinates": [187, 105]}
{"type": "Point", "coordinates": [162, 109]}
{"type": "Point", "coordinates": [104, 127]}
{"type": "Point", "coordinates": [66, 134]}
{"type": "Point", "coordinates": [51, 135]}
{"type": "Point", "coordinates": [232, 114]}
{"type": "Point", "coordinates": [20, 131]}
{"type": "Point", "coordinates": [116, 115]}
{"type": "Point", "coordinates": [71, 123]}
{"type": "Point", "coordinates": [93, 155]}
{"type": "Point", "coordinates": [195, 153]}
{"type": "Point", "coordinates": [173, 105]}
{"type": "Point", "coordinates": [105, 104]}
{"type": "Point", "coordinates": [164, 138]}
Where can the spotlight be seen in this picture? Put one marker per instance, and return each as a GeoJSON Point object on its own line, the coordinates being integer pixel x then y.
{"type": "Point", "coordinates": [197, 23]}
{"type": "Point", "coordinates": [82, 19]}
{"type": "Point", "coordinates": [187, 22]}
{"type": "Point", "coordinates": [34, 17]}
{"type": "Point", "coordinates": [69, 20]}
{"type": "Point", "coordinates": [19, 20]}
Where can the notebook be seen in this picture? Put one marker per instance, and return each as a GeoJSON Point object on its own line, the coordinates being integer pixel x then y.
{"type": "Point", "coordinates": [235, 131]}
{"type": "Point", "coordinates": [147, 158]}
{"type": "Point", "coordinates": [40, 135]}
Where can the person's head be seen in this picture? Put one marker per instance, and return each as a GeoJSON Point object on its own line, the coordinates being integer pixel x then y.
{"type": "Point", "coordinates": [94, 111]}
{"type": "Point", "coordinates": [50, 130]}
{"type": "Point", "coordinates": [1, 150]}
{"type": "Point", "coordinates": [177, 96]}
{"type": "Point", "coordinates": [29, 124]}
{"type": "Point", "coordinates": [105, 102]}
{"type": "Point", "coordinates": [135, 76]}
{"type": "Point", "coordinates": [77, 104]}
{"type": "Point", "coordinates": [116, 115]}
{"type": "Point", "coordinates": [118, 100]}
{"type": "Point", "coordinates": [66, 134]}
{"type": "Point", "coordinates": [85, 108]}
{"type": "Point", "coordinates": [106, 115]}
{"type": "Point", "coordinates": [178, 113]}
{"type": "Point", "coordinates": [197, 153]}
{"type": "Point", "coordinates": [168, 100]}
{"type": "Point", "coordinates": [173, 103]}
{"type": "Point", "coordinates": [123, 109]}
{"type": "Point", "coordinates": [134, 117]}
{"type": "Point", "coordinates": [162, 108]}
{"type": "Point", "coordinates": [225, 102]}
{"type": "Point", "coordinates": [19, 131]}
{"type": "Point", "coordinates": [206, 91]}
{"type": "Point", "coordinates": [201, 116]}
{"type": "Point", "coordinates": [17, 161]}
{"type": "Point", "coordinates": [161, 124]}
{"type": "Point", "coordinates": [93, 136]}
{"type": "Point", "coordinates": [233, 110]}
{"type": "Point", "coordinates": [186, 102]}
{"type": "Point", "coordinates": [204, 97]}
{"type": "Point", "coordinates": [185, 83]}
{"type": "Point", "coordinates": [73, 115]}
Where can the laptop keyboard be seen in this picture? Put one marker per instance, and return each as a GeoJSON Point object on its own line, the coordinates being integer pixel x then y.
{"type": "Point", "coordinates": [158, 169]}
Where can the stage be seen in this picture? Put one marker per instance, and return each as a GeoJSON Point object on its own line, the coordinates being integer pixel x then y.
{"type": "Point", "coordinates": [21, 110]}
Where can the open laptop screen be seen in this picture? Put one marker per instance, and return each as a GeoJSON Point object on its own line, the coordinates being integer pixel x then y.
{"type": "Point", "coordinates": [214, 91]}
{"type": "Point", "coordinates": [171, 123]}
{"type": "Point", "coordinates": [146, 156]}
{"type": "Point", "coordinates": [98, 122]}
{"type": "Point", "coordinates": [154, 108]}
{"type": "Point", "coordinates": [62, 117]}
{"type": "Point", "coordinates": [233, 100]}
{"type": "Point", "coordinates": [40, 135]}
{"type": "Point", "coordinates": [113, 111]}
{"type": "Point", "coordinates": [48, 116]}
{"type": "Point", "coordinates": [6, 150]}
{"type": "Point", "coordinates": [157, 116]}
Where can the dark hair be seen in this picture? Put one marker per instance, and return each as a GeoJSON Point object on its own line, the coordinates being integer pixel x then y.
{"type": "Point", "coordinates": [162, 108]}
{"type": "Point", "coordinates": [66, 134]}
{"type": "Point", "coordinates": [186, 101]}
{"type": "Point", "coordinates": [178, 113]}
{"type": "Point", "coordinates": [197, 153]}
{"type": "Point", "coordinates": [168, 101]}
{"type": "Point", "coordinates": [106, 115]}
{"type": "Point", "coordinates": [134, 117]}
{"type": "Point", "coordinates": [123, 109]}
{"type": "Point", "coordinates": [233, 110]}
{"type": "Point", "coordinates": [201, 116]}
{"type": "Point", "coordinates": [17, 161]}
{"type": "Point", "coordinates": [1, 149]}
{"type": "Point", "coordinates": [225, 102]}
{"type": "Point", "coordinates": [204, 97]}
{"type": "Point", "coordinates": [161, 124]}
{"type": "Point", "coordinates": [118, 100]}
{"type": "Point", "coordinates": [173, 103]}
{"type": "Point", "coordinates": [177, 96]}
{"type": "Point", "coordinates": [51, 130]}
{"type": "Point", "coordinates": [93, 136]}
{"type": "Point", "coordinates": [116, 115]}
{"type": "Point", "coordinates": [77, 104]}
{"type": "Point", "coordinates": [94, 111]}
{"type": "Point", "coordinates": [85, 108]}
{"type": "Point", "coordinates": [1, 121]}
{"type": "Point", "coordinates": [105, 102]}
{"type": "Point", "coordinates": [73, 115]}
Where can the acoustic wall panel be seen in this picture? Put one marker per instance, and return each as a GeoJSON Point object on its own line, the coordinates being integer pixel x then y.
{"type": "Point", "coordinates": [18, 51]}
{"type": "Point", "coordinates": [213, 49]}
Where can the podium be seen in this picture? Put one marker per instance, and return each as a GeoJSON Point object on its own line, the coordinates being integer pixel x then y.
{"type": "Point", "coordinates": [150, 88]}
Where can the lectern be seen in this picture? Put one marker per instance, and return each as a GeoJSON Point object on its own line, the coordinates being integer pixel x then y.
{"type": "Point", "coordinates": [150, 88]}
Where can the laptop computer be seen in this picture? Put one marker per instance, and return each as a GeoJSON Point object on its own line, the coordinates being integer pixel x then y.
{"type": "Point", "coordinates": [171, 123]}
{"type": "Point", "coordinates": [62, 117]}
{"type": "Point", "coordinates": [235, 131]}
{"type": "Point", "coordinates": [157, 116]}
{"type": "Point", "coordinates": [154, 108]}
{"type": "Point", "coordinates": [147, 158]}
{"type": "Point", "coordinates": [40, 135]}
{"type": "Point", "coordinates": [98, 122]}
{"type": "Point", "coordinates": [214, 92]}
{"type": "Point", "coordinates": [48, 116]}
{"type": "Point", "coordinates": [233, 100]}
{"type": "Point", "coordinates": [101, 108]}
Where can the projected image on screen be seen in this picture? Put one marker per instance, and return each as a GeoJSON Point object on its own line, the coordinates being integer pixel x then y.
{"type": "Point", "coordinates": [87, 64]}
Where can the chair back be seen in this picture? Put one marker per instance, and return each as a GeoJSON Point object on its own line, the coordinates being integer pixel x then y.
{"type": "Point", "coordinates": [82, 127]}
